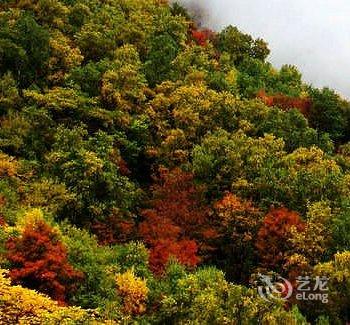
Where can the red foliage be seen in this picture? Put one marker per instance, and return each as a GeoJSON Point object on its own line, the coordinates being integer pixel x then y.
{"type": "Point", "coordinates": [123, 167]}
{"type": "Point", "coordinates": [177, 221]}
{"type": "Point", "coordinates": [113, 230]}
{"type": "Point", "coordinates": [2, 200]}
{"type": "Point", "coordinates": [2, 221]}
{"type": "Point", "coordinates": [272, 240]}
{"type": "Point", "coordinates": [287, 102]}
{"type": "Point", "coordinates": [185, 252]}
{"type": "Point", "coordinates": [39, 261]}
{"type": "Point", "coordinates": [2, 203]}
{"type": "Point", "coordinates": [268, 100]}
{"type": "Point", "coordinates": [201, 37]}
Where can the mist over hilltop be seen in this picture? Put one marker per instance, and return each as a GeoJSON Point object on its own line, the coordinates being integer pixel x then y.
{"type": "Point", "coordinates": [314, 36]}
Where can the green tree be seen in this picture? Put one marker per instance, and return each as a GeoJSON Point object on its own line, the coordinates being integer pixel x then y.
{"type": "Point", "coordinates": [329, 113]}
{"type": "Point", "coordinates": [24, 49]}
{"type": "Point", "coordinates": [162, 51]}
{"type": "Point", "coordinates": [102, 188]}
{"type": "Point", "coordinates": [240, 45]}
{"type": "Point", "coordinates": [100, 264]}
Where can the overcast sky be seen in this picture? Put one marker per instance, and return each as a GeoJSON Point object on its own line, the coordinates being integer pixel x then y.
{"type": "Point", "coordinates": [314, 35]}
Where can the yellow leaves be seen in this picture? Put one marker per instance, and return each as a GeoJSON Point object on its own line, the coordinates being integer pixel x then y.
{"type": "Point", "coordinates": [338, 270]}
{"type": "Point", "coordinates": [48, 195]}
{"type": "Point", "coordinates": [342, 261]}
{"type": "Point", "coordinates": [193, 108]}
{"type": "Point", "coordinates": [175, 146]}
{"type": "Point", "coordinates": [122, 88]}
{"type": "Point", "coordinates": [310, 244]}
{"type": "Point", "coordinates": [282, 317]}
{"type": "Point", "coordinates": [127, 54]}
{"type": "Point", "coordinates": [9, 94]}
{"type": "Point", "coordinates": [195, 78]}
{"type": "Point", "coordinates": [303, 156]}
{"type": "Point", "coordinates": [63, 57]}
{"type": "Point", "coordinates": [296, 262]}
{"type": "Point", "coordinates": [52, 12]}
{"type": "Point", "coordinates": [313, 160]}
{"type": "Point", "coordinates": [231, 77]}
{"type": "Point", "coordinates": [30, 217]}
{"type": "Point", "coordinates": [133, 291]}
{"type": "Point", "coordinates": [344, 186]}
{"type": "Point", "coordinates": [319, 212]}
{"type": "Point", "coordinates": [8, 166]}
{"type": "Point", "coordinates": [175, 137]}
{"type": "Point", "coordinates": [57, 99]}
{"type": "Point", "coordinates": [94, 165]}
{"type": "Point", "coordinates": [337, 273]}
{"type": "Point", "coordinates": [19, 305]}
{"type": "Point", "coordinates": [192, 58]}
{"type": "Point", "coordinates": [245, 126]}
{"type": "Point", "coordinates": [185, 117]}
{"type": "Point", "coordinates": [240, 183]}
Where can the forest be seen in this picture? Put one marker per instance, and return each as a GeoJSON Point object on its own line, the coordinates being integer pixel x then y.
{"type": "Point", "coordinates": [153, 171]}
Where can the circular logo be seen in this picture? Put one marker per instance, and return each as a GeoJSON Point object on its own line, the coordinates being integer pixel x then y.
{"type": "Point", "coordinates": [272, 290]}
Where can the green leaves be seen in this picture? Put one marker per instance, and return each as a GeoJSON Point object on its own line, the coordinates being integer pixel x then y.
{"type": "Point", "coordinates": [260, 168]}
{"type": "Point", "coordinates": [329, 113]}
{"type": "Point", "coordinates": [88, 167]}
{"type": "Point", "coordinates": [240, 45]}
{"type": "Point", "coordinates": [163, 50]}
{"type": "Point", "coordinates": [24, 49]}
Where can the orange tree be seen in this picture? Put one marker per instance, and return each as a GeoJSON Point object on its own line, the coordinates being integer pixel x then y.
{"type": "Point", "coordinates": [176, 223]}
{"type": "Point", "coordinates": [39, 261]}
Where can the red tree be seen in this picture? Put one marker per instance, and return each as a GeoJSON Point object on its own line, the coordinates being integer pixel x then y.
{"type": "Point", "coordinates": [185, 252]}
{"type": "Point", "coordinates": [272, 240]}
{"type": "Point", "coordinates": [202, 36]}
{"type": "Point", "coordinates": [287, 102]}
{"type": "Point", "coordinates": [39, 261]}
{"type": "Point", "coordinates": [2, 204]}
{"type": "Point", "coordinates": [176, 224]}
{"type": "Point", "coordinates": [115, 229]}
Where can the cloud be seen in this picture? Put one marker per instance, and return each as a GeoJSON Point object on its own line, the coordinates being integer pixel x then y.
{"type": "Point", "coordinates": [313, 35]}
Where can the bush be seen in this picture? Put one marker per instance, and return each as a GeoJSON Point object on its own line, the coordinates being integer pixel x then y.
{"type": "Point", "coordinates": [39, 261]}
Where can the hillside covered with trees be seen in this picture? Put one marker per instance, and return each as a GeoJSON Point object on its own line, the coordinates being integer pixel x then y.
{"type": "Point", "coordinates": [151, 169]}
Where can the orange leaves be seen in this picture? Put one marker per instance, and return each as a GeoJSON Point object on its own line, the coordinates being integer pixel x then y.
{"type": "Point", "coordinates": [202, 36]}
{"type": "Point", "coordinates": [177, 199]}
{"type": "Point", "coordinates": [184, 251]}
{"type": "Point", "coordinates": [272, 241]}
{"type": "Point", "coordinates": [156, 228]}
{"type": "Point", "coordinates": [303, 105]}
{"type": "Point", "coordinates": [39, 261]}
{"type": "Point", "coordinates": [236, 222]}
{"type": "Point", "coordinates": [176, 221]}
{"type": "Point", "coordinates": [233, 210]}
